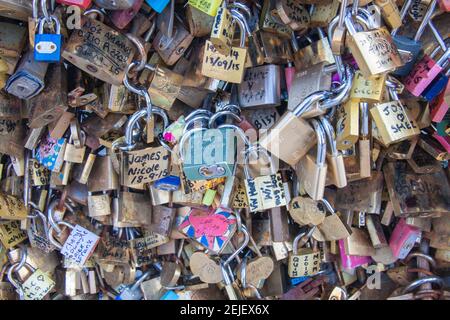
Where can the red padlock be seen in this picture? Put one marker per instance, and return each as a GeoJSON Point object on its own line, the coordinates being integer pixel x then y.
{"type": "Point", "coordinates": [439, 107]}
{"type": "Point", "coordinates": [83, 4]}
{"type": "Point", "coordinates": [121, 18]}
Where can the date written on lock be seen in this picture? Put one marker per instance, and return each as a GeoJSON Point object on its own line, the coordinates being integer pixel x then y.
{"type": "Point", "coordinates": [144, 166]}
{"type": "Point", "coordinates": [226, 68]}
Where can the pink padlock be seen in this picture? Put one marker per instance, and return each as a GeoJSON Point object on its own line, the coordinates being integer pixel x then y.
{"type": "Point", "coordinates": [424, 73]}
{"type": "Point", "coordinates": [351, 262]}
{"type": "Point", "coordinates": [444, 5]}
{"type": "Point", "coordinates": [121, 18]}
{"type": "Point", "coordinates": [438, 107]}
{"type": "Point", "coordinates": [84, 4]}
{"type": "Point", "coordinates": [444, 141]}
{"type": "Point", "coordinates": [403, 239]}
{"type": "Point", "coordinates": [289, 73]}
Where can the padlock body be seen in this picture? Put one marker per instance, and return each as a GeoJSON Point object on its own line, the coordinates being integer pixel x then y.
{"type": "Point", "coordinates": [84, 4]}
{"type": "Point", "coordinates": [421, 76]}
{"type": "Point", "coordinates": [407, 44]}
{"type": "Point", "coordinates": [290, 139]}
{"type": "Point", "coordinates": [210, 154]}
{"type": "Point", "coordinates": [47, 47]}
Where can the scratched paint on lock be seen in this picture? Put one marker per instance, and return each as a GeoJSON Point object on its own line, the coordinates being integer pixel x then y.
{"type": "Point", "coordinates": [211, 229]}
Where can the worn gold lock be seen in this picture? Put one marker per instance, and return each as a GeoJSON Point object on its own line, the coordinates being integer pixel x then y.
{"type": "Point", "coordinates": [100, 51]}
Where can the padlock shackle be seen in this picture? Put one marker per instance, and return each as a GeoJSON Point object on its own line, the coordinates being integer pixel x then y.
{"type": "Point", "coordinates": [300, 236]}
{"type": "Point", "coordinates": [419, 282]}
{"type": "Point", "coordinates": [307, 103]}
{"type": "Point", "coordinates": [95, 11]}
{"type": "Point", "coordinates": [184, 138]}
{"type": "Point", "coordinates": [201, 120]}
{"type": "Point", "coordinates": [141, 49]}
{"type": "Point", "coordinates": [241, 247]}
{"type": "Point", "coordinates": [254, 149]}
{"type": "Point", "coordinates": [328, 206]}
{"type": "Point", "coordinates": [50, 234]}
{"type": "Point", "coordinates": [343, 92]}
{"type": "Point", "coordinates": [239, 5]}
{"type": "Point", "coordinates": [364, 109]}
{"type": "Point", "coordinates": [243, 26]}
{"type": "Point", "coordinates": [42, 21]}
{"type": "Point", "coordinates": [133, 120]}
{"type": "Point", "coordinates": [437, 35]}
{"type": "Point", "coordinates": [403, 13]}
{"type": "Point", "coordinates": [330, 133]}
{"type": "Point", "coordinates": [426, 18]}
{"type": "Point", "coordinates": [321, 155]}
{"type": "Point", "coordinates": [212, 121]}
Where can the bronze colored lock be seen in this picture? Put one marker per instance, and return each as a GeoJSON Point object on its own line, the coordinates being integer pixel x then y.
{"type": "Point", "coordinates": [200, 23]}
{"type": "Point", "coordinates": [103, 177]}
{"type": "Point", "coordinates": [171, 49]}
{"type": "Point", "coordinates": [100, 51]}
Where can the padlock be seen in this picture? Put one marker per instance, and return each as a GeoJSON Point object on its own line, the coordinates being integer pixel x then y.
{"type": "Point", "coordinates": [322, 14]}
{"type": "Point", "coordinates": [413, 45]}
{"type": "Point", "coordinates": [28, 80]}
{"type": "Point", "coordinates": [13, 38]}
{"type": "Point", "coordinates": [332, 228]}
{"type": "Point", "coordinates": [303, 262]}
{"type": "Point", "coordinates": [318, 51]}
{"type": "Point", "coordinates": [200, 23]}
{"type": "Point", "coordinates": [373, 50]}
{"type": "Point", "coordinates": [222, 32]}
{"type": "Point", "coordinates": [392, 120]}
{"type": "Point", "coordinates": [172, 49]}
{"type": "Point", "coordinates": [424, 72]}
{"type": "Point", "coordinates": [114, 4]}
{"type": "Point", "coordinates": [47, 47]}
{"type": "Point", "coordinates": [335, 161]}
{"type": "Point", "coordinates": [199, 165]}
{"type": "Point", "coordinates": [312, 171]}
{"type": "Point", "coordinates": [347, 125]}
{"type": "Point", "coordinates": [121, 18]}
{"type": "Point", "coordinates": [105, 56]}
{"type": "Point", "coordinates": [228, 67]}
{"type": "Point", "coordinates": [370, 89]}
{"type": "Point", "coordinates": [260, 87]}
{"type": "Point", "coordinates": [401, 184]}
{"type": "Point", "coordinates": [83, 4]}
{"type": "Point", "coordinates": [293, 14]}
{"type": "Point", "coordinates": [263, 192]}
{"type": "Point", "coordinates": [286, 140]}
{"type": "Point", "coordinates": [390, 13]}
{"type": "Point", "coordinates": [36, 287]}
{"type": "Point", "coordinates": [306, 82]}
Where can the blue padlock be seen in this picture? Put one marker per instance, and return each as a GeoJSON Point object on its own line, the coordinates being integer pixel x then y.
{"type": "Point", "coordinates": [435, 87]}
{"type": "Point", "coordinates": [169, 183]}
{"type": "Point", "coordinates": [158, 5]}
{"type": "Point", "coordinates": [47, 47]}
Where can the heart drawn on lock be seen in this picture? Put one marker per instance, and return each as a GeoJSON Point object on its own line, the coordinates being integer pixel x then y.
{"type": "Point", "coordinates": [212, 229]}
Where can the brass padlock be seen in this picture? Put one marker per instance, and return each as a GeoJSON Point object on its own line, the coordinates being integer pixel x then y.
{"type": "Point", "coordinates": [312, 171]}
{"type": "Point", "coordinates": [100, 51]}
